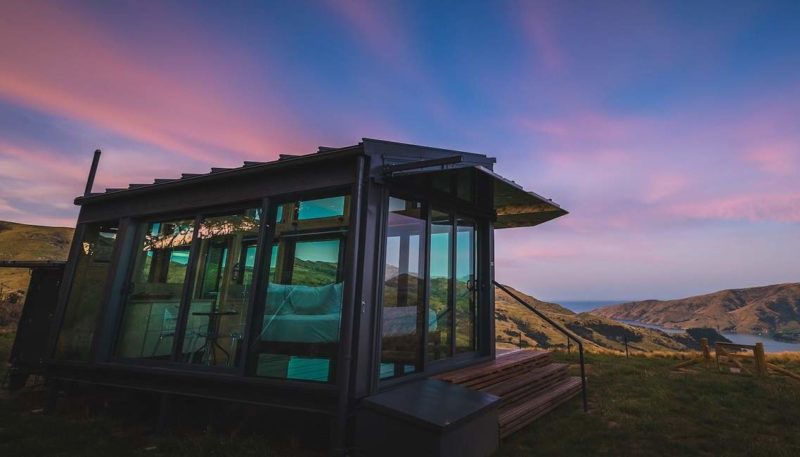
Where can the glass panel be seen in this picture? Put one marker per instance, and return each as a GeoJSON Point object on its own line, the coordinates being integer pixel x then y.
{"type": "Point", "coordinates": [403, 290]}
{"type": "Point", "coordinates": [222, 288]}
{"type": "Point", "coordinates": [465, 285]}
{"type": "Point", "coordinates": [299, 330]}
{"type": "Point", "coordinates": [154, 292]}
{"type": "Point", "coordinates": [86, 293]}
{"type": "Point", "coordinates": [324, 207]}
{"type": "Point", "coordinates": [439, 307]}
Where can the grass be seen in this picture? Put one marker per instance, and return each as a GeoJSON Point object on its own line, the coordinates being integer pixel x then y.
{"type": "Point", "coordinates": [639, 407]}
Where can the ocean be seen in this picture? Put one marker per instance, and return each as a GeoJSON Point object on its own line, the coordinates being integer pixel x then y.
{"type": "Point", "coordinates": [770, 345]}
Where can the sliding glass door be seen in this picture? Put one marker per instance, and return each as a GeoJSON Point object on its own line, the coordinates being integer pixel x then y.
{"type": "Point", "coordinates": [440, 303]}
{"type": "Point", "coordinates": [465, 296]}
{"type": "Point", "coordinates": [403, 289]}
{"type": "Point", "coordinates": [430, 299]}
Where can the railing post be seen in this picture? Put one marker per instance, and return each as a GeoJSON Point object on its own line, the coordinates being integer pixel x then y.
{"type": "Point", "coordinates": [569, 334]}
{"type": "Point", "coordinates": [583, 378]}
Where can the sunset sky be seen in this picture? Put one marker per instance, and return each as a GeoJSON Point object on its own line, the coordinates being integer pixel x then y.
{"type": "Point", "coordinates": [669, 130]}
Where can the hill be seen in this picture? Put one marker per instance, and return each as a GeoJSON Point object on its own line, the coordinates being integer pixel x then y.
{"type": "Point", "coordinates": [26, 242]}
{"type": "Point", "coordinates": [516, 325]}
{"type": "Point", "coordinates": [774, 309]}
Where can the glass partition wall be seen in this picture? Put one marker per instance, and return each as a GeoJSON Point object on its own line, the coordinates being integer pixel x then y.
{"type": "Point", "coordinates": [193, 280]}
{"type": "Point", "coordinates": [86, 294]}
{"type": "Point", "coordinates": [430, 299]}
{"type": "Point", "coordinates": [220, 253]}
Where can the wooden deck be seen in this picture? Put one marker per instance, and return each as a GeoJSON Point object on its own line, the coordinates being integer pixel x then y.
{"type": "Point", "coordinates": [528, 383]}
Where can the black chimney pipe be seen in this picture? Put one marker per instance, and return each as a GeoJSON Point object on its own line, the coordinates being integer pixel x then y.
{"type": "Point", "coordinates": [92, 172]}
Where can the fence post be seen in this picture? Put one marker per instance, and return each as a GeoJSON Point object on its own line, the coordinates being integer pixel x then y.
{"type": "Point", "coordinates": [761, 359]}
{"type": "Point", "coordinates": [626, 346]}
{"type": "Point", "coordinates": [706, 352]}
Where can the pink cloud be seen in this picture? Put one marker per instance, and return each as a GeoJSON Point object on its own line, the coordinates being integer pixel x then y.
{"type": "Point", "coordinates": [538, 24]}
{"type": "Point", "coordinates": [782, 207]}
{"type": "Point", "coordinates": [60, 62]}
{"type": "Point", "coordinates": [661, 186]}
{"type": "Point", "coordinates": [778, 158]}
{"type": "Point", "coordinates": [376, 23]}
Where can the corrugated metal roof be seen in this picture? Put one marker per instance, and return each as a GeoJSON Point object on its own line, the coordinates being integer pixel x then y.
{"type": "Point", "coordinates": [216, 172]}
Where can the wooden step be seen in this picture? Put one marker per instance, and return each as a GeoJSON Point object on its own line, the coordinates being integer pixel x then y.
{"type": "Point", "coordinates": [503, 367]}
{"type": "Point", "coordinates": [527, 384]}
{"type": "Point", "coordinates": [519, 414]}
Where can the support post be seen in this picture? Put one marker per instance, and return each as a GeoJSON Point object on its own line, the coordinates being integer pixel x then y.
{"type": "Point", "coordinates": [164, 414]}
{"type": "Point", "coordinates": [349, 308]}
{"type": "Point", "coordinates": [92, 173]}
{"type": "Point", "coordinates": [51, 396]}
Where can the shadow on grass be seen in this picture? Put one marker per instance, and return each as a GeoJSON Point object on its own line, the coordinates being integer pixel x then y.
{"type": "Point", "coordinates": [110, 422]}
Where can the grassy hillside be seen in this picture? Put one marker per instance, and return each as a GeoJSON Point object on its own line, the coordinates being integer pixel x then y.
{"type": "Point", "coordinates": [773, 309]}
{"type": "Point", "coordinates": [515, 322]}
{"type": "Point", "coordinates": [641, 407]}
{"type": "Point", "coordinates": [26, 242]}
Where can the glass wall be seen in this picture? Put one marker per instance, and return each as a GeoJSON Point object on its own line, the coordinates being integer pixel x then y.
{"type": "Point", "coordinates": [445, 260]}
{"type": "Point", "coordinates": [222, 287]}
{"type": "Point", "coordinates": [440, 304]}
{"type": "Point", "coordinates": [298, 335]}
{"type": "Point", "coordinates": [403, 289]}
{"type": "Point", "coordinates": [86, 293]}
{"type": "Point", "coordinates": [153, 296]}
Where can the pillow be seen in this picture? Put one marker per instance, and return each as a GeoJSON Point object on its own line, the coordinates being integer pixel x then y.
{"type": "Point", "coordinates": [310, 299]}
{"type": "Point", "coordinates": [278, 299]}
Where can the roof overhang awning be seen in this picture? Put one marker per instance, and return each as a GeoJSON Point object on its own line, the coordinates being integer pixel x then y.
{"type": "Point", "coordinates": [513, 205]}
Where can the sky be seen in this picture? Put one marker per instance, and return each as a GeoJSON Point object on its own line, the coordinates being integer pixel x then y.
{"type": "Point", "coordinates": [669, 130]}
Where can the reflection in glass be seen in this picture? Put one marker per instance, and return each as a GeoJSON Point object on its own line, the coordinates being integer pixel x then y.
{"type": "Point", "coordinates": [85, 295]}
{"type": "Point", "coordinates": [403, 289]}
{"type": "Point", "coordinates": [223, 284]}
{"type": "Point", "coordinates": [465, 285]}
{"type": "Point", "coordinates": [154, 292]}
{"type": "Point", "coordinates": [439, 305]}
{"type": "Point", "coordinates": [299, 334]}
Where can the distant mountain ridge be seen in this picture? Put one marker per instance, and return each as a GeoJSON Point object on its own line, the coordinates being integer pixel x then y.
{"type": "Point", "coordinates": [515, 325]}
{"type": "Point", "coordinates": [774, 309]}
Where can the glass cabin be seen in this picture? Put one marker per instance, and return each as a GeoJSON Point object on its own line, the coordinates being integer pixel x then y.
{"type": "Point", "coordinates": [309, 282]}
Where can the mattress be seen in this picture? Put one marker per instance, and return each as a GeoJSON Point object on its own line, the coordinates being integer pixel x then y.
{"type": "Point", "coordinates": [324, 328]}
{"type": "Point", "coordinates": [301, 328]}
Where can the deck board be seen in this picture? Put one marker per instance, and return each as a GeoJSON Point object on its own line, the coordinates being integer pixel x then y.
{"type": "Point", "coordinates": [528, 383]}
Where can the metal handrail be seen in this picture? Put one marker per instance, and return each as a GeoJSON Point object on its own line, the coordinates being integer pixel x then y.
{"type": "Point", "coordinates": [566, 332]}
